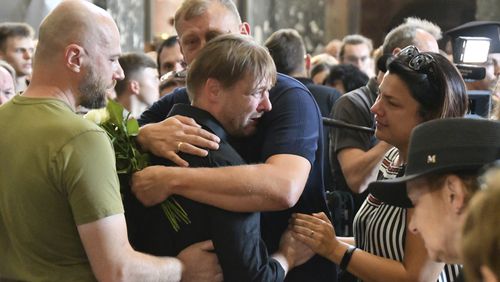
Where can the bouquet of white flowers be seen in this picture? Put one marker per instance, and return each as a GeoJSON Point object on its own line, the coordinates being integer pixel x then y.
{"type": "Point", "coordinates": [122, 131]}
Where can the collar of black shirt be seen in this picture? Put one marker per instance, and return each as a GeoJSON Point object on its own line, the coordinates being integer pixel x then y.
{"type": "Point", "coordinates": [202, 117]}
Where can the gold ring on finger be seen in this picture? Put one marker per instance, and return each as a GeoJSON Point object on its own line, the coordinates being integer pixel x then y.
{"type": "Point", "coordinates": [179, 146]}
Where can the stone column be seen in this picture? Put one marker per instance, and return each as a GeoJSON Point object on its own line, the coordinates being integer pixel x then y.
{"type": "Point", "coordinates": [129, 15]}
{"type": "Point", "coordinates": [267, 16]}
{"type": "Point", "coordinates": [342, 17]}
{"type": "Point", "coordinates": [31, 12]}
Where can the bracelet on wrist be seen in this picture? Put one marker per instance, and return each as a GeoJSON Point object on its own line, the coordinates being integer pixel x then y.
{"type": "Point", "coordinates": [347, 257]}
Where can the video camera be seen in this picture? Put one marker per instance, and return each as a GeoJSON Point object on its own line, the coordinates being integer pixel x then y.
{"type": "Point", "coordinates": [471, 43]}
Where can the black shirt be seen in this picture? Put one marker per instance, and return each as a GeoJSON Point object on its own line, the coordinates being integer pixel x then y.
{"type": "Point", "coordinates": [236, 236]}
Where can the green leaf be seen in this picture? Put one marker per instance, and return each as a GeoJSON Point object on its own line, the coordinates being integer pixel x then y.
{"type": "Point", "coordinates": [142, 161]}
{"type": "Point", "coordinates": [132, 127]}
{"type": "Point", "coordinates": [115, 112]}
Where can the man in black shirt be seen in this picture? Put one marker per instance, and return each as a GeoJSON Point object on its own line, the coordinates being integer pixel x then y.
{"type": "Point", "coordinates": [228, 85]}
{"type": "Point", "coordinates": [284, 174]}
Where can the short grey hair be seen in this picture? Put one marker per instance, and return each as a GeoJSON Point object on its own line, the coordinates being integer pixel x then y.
{"type": "Point", "coordinates": [193, 8]}
{"type": "Point", "coordinates": [404, 34]}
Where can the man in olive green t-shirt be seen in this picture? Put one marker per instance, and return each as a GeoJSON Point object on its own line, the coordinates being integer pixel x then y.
{"type": "Point", "coordinates": [61, 215]}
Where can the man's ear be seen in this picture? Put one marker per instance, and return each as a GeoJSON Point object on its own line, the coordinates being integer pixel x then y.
{"type": "Point", "coordinates": [212, 89]}
{"type": "Point", "coordinates": [307, 63]}
{"type": "Point", "coordinates": [134, 86]}
{"type": "Point", "coordinates": [245, 28]}
{"type": "Point", "coordinates": [73, 56]}
{"type": "Point", "coordinates": [396, 51]}
{"type": "Point", "coordinates": [455, 193]}
{"type": "Point", "coordinates": [180, 46]}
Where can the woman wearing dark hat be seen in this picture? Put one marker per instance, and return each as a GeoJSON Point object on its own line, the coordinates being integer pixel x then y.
{"type": "Point", "coordinates": [418, 87]}
{"type": "Point", "coordinates": [444, 162]}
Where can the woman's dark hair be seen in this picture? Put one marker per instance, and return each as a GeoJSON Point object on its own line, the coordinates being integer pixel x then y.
{"type": "Point", "coordinates": [319, 68]}
{"type": "Point", "coordinates": [433, 81]}
{"type": "Point", "coordinates": [382, 62]}
{"type": "Point", "coordinates": [351, 77]}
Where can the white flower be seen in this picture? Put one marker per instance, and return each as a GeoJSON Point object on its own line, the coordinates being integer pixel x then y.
{"type": "Point", "coordinates": [97, 116]}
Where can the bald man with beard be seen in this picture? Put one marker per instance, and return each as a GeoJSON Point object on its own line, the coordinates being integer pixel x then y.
{"type": "Point", "coordinates": [61, 214]}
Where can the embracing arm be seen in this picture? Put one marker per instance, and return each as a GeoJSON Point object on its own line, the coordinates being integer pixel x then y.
{"type": "Point", "coordinates": [113, 259]}
{"type": "Point", "coordinates": [360, 167]}
{"type": "Point", "coordinates": [416, 265]}
{"type": "Point", "coordinates": [274, 185]}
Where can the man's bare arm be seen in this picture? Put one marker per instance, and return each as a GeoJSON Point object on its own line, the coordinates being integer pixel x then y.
{"type": "Point", "coordinates": [360, 167]}
{"type": "Point", "coordinates": [113, 259]}
{"type": "Point", "coordinates": [274, 185]}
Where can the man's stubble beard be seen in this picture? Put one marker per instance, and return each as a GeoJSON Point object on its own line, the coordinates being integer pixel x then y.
{"type": "Point", "coordinates": [93, 91]}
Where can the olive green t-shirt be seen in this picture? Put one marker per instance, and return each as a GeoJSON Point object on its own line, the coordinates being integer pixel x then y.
{"type": "Point", "coordinates": [57, 171]}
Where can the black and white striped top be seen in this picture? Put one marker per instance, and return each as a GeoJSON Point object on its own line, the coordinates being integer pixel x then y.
{"type": "Point", "coordinates": [380, 229]}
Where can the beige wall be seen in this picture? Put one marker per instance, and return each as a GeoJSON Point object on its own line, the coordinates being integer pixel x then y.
{"type": "Point", "coordinates": [162, 13]}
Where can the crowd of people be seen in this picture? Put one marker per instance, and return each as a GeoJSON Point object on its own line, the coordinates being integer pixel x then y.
{"type": "Point", "coordinates": [405, 188]}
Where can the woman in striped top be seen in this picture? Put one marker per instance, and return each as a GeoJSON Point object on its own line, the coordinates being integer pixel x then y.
{"type": "Point", "coordinates": [417, 87]}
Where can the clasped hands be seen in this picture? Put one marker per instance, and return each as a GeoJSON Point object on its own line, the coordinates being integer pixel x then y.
{"type": "Point", "coordinates": [315, 231]}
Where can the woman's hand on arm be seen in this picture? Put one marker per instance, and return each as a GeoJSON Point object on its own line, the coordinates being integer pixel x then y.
{"type": "Point", "coordinates": [317, 232]}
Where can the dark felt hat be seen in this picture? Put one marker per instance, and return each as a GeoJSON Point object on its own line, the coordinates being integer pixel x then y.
{"type": "Point", "coordinates": [442, 145]}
